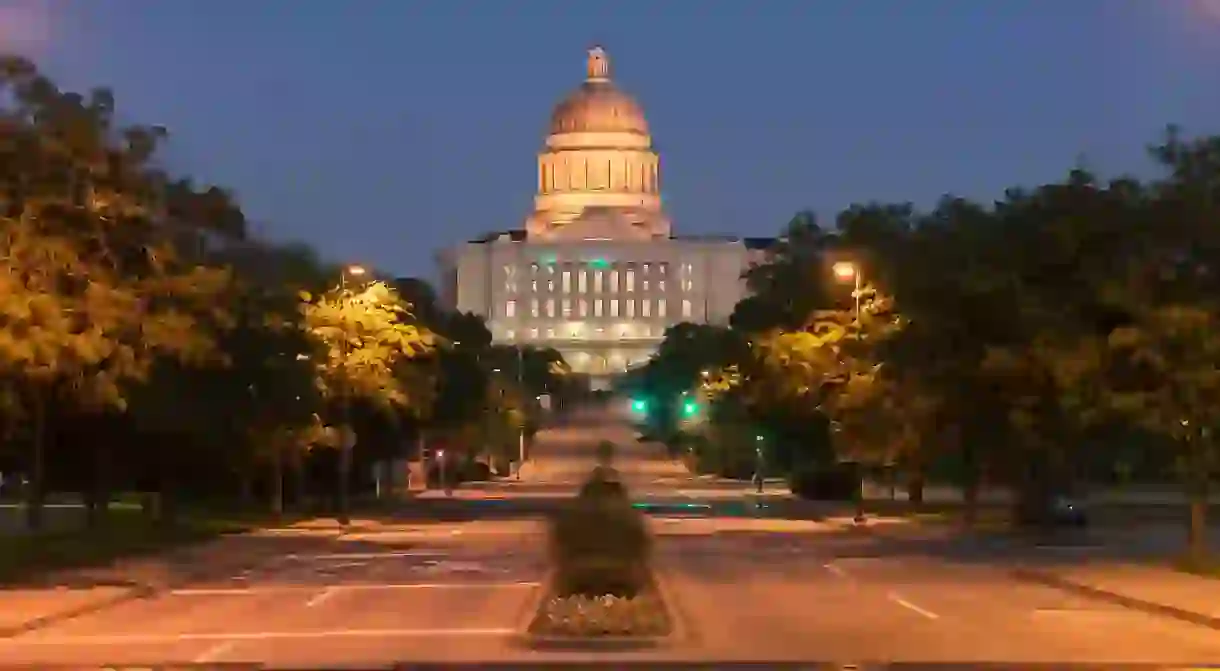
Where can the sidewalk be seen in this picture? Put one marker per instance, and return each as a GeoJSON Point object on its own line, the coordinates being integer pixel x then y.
{"type": "Point", "coordinates": [1154, 589]}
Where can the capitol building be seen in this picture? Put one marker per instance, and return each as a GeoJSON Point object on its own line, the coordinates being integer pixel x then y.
{"type": "Point", "coordinates": [596, 270]}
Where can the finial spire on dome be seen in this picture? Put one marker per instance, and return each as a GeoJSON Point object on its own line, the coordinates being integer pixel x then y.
{"type": "Point", "coordinates": [598, 65]}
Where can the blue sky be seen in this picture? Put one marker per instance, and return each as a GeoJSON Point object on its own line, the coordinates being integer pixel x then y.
{"type": "Point", "coordinates": [382, 130]}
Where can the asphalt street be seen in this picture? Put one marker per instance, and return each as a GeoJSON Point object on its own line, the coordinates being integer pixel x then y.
{"type": "Point", "coordinates": [456, 588]}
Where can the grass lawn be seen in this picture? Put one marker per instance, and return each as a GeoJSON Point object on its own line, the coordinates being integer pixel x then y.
{"type": "Point", "coordinates": [127, 532]}
{"type": "Point", "coordinates": [1208, 567]}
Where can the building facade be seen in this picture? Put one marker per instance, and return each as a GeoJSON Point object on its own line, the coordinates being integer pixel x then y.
{"type": "Point", "coordinates": [596, 271]}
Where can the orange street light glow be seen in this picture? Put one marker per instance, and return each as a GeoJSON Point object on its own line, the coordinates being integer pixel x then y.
{"type": "Point", "coordinates": [844, 270]}
{"type": "Point", "coordinates": [355, 271]}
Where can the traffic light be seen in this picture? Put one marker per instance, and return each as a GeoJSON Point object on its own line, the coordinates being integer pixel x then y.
{"type": "Point", "coordinates": [639, 405]}
{"type": "Point", "coordinates": [690, 409]}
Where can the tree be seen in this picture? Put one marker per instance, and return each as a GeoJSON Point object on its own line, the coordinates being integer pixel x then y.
{"type": "Point", "coordinates": [94, 290]}
{"type": "Point", "coordinates": [363, 336]}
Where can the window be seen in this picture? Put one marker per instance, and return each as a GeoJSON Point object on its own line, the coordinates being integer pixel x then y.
{"type": "Point", "coordinates": [685, 308]}
{"type": "Point", "coordinates": [550, 307]}
{"type": "Point", "coordinates": [533, 268]}
{"type": "Point", "coordinates": [645, 308]}
{"type": "Point", "coordinates": [614, 307]}
{"type": "Point", "coordinates": [662, 268]}
{"type": "Point", "coordinates": [645, 285]}
{"type": "Point", "coordinates": [567, 281]}
{"type": "Point", "coordinates": [550, 333]}
{"type": "Point", "coordinates": [510, 309]}
{"type": "Point", "coordinates": [534, 333]}
{"type": "Point", "coordinates": [645, 269]}
{"type": "Point", "coordinates": [582, 308]}
{"type": "Point", "coordinates": [630, 307]}
{"type": "Point", "coordinates": [614, 281]}
{"type": "Point", "coordinates": [510, 279]}
{"type": "Point", "coordinates": [630, 281]}
{"type": "Point", "coordinates": [534, 307]}
{"type": "Point", "coordinates": [661, 307]}
{"type": "Point", "coordinates": [597, 308]}
{"type": "Point", "coordinates": [582, 281]}
{"type": "Point", "coordinates": [687, 285]}
{"type": "Point", "coordinates": [597, 281]}
{"type": "Point", "coordinates": [567, 307]}
{"type": "Point", "coordinates": [510, 334]}
{"type": "Point", "coordinates": [534, 286]}
{"type": "Point", "coordinates": [660, 285]}
{"type": "Point", "coordinates": [550, 285]}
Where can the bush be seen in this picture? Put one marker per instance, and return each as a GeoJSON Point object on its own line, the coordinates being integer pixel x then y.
{"type": "Point", "coordinates": [475, 471]}
{"type": "Point", "coordinates": [600, 544]}
{"type": "Point", "coordinates": [603, 483]}
{"type": "Point", "coordinates": [829, 483]}
{"type": "Point", "coordinates": [605, 452]}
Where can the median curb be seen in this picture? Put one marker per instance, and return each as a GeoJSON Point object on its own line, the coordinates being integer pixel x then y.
{"type": "Point", "coordinates": [50, 619]}
{"type": "Point", "coordinates": [1050, 579]}
{"type": "Point", "coordinates": [678, 630]}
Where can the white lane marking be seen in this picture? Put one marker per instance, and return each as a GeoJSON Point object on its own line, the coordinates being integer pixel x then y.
{"type": "Point", "coordinates": [369, 555]}
{"type": "Point", "coordinates": [893, 596]}
{"type": "Point", "coordinates": [840, 573]}
{"type": "Point", "coordinates": [291, 589]}
{"type": "Point", "coordinates": [235, 637]}
{"type": "Point", "coordinates": [215, 652]}
{"type": "Point", "coordinates": [321, 597]}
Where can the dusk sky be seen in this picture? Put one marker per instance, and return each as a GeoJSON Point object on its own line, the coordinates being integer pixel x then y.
{"type": "Point", "coordinates": [379, 130]}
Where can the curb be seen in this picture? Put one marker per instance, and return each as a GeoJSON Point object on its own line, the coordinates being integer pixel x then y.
{"type": "Point", "coordinates": [132, 594]}
{"type": "Point", "coordinates": [1132, 603]}
{"type": "Point", "coordinates": [678, 630]}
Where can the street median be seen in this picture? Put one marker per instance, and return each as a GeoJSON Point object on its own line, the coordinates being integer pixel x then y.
{"type": "Point", "coordinates": [602, 592]}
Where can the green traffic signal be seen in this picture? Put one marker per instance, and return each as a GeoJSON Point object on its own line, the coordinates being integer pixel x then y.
{"type": "Point", "coordinates": [639, 405]}
{"type": "Point", "coordinates": [690, 408]}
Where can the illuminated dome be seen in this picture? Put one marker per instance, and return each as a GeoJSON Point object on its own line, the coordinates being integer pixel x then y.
{"type": "Point", "coordinates": [598, 106]}
{"type": "Point", "coordinates": [598, 175]}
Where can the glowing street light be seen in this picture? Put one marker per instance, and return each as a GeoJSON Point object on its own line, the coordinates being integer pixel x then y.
{"type": "Point", "coordinates": [355, 271]}
{"type": "Point", "coordinates": [847, 271]}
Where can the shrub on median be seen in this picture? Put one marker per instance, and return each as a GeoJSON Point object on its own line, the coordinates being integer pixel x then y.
{"type": "Point", "coordinates": [599, 543]}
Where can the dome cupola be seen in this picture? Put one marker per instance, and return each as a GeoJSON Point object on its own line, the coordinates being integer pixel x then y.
{"type": "Point", "coordinates": [598, 106]}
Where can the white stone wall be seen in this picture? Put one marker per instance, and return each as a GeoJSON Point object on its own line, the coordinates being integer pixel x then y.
{"type": "Point", "coordinates": [604, 304]}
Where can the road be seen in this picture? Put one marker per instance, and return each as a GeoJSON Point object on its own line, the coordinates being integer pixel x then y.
{"type": "Point", "coordinates": [450, 581]}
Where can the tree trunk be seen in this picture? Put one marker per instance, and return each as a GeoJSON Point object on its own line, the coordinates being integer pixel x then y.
{"type": "Point", "coordinates": [1197, 495]}
{"type": "Point", "coordinates": [36, 494]}
{"type": "Point", "coordinates": [246, 478]}
{"type": "Point", "coordinates": [915, 485]}
{"type": "Point", "coordinates": [972, 475]}
{"type": "Point", "coordinates": [300, 492]}
{"type": "Point", "coordinates": [97, 498]}
{"type": "Point", "coordinates": [343, 490]}
{"type": "Point", "coordinates": [277, 481]}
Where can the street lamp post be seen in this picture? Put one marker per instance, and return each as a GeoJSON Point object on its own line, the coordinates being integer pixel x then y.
{"type": "Point", "coordinates": [759, 464]}
{"type": "Point", "coordinates": [521, 390]}
{"type": "Point", "coordinates": [348, 439]}
{"type": "Point", "coordinates": [845, 270]}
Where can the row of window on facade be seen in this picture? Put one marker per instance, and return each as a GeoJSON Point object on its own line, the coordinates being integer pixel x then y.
{"type": "Point", "coordinates": [597, 308]}
{"type": "Point", "coordinates": [583, 332]}
{"type": "Point", "coordinates": [599, 281]}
